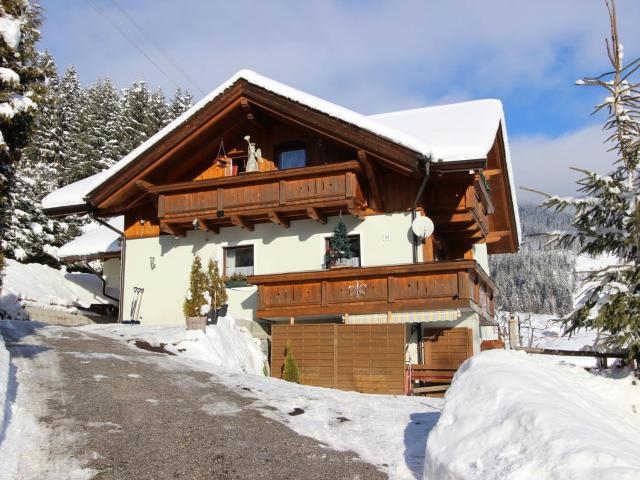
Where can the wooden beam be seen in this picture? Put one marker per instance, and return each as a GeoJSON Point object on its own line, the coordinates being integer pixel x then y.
{"type": "Point", "coordinates": [494, 237]}
{"type": "Point", "coordinates": [369, 170]}
{"type": "Point", "coordinates": [492, 172]}
{"type": "Point", "coordinates": [172, 230]}
{"type": "Point", "coordinates": [145, 186]}
{"type": "Point", "coordinates": [241, 222]}
{"type": "Point", "coordinates": [356, 212]}
{"type": "Point", "coordinates": [278, 219]}
{"type": "Point", "coordinates": [246, 108]}
{"type": "Point", "coordinates": [316, 215]}
{"type": "Point", "coordinates": [208, 226]}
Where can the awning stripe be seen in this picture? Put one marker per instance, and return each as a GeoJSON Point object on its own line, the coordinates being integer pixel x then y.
{"type": "Point", "coordinates": [405, 317]}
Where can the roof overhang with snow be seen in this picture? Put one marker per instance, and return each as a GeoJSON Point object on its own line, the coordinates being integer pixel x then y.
{"type": "Point", "coordinates": [97, 242]}
{"type": "Point", "coordinates": [452, 136]}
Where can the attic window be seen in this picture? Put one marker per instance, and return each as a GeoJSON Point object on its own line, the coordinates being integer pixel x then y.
{"type": "Point", "coordinates": [292, 155]}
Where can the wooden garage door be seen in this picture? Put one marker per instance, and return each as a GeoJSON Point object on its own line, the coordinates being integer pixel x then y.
{"type": "Point", "coordinates": [363, 358]}
{"type": "Point", "coordinates": [446, 349]}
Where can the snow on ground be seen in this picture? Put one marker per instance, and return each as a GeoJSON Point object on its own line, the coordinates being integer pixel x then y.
{"type": "Point", "coordinates": [41, 286]}
{"type": "Point", "coordinates": [4, 385]}
{"type": "Point", "coordinates": [29, 448]}
{"type": "Point", "coordinates": [388, 431]}
{"type": "Point", "coordinates": [385, 430]}
{"type": "Point", "coordinates": [225, 344]}
{"type": "Point", "coordinates": [519, 416]}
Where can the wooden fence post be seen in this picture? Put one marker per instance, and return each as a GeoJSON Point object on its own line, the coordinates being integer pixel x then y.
{"type": "Point", "coordinates": [514, 342]}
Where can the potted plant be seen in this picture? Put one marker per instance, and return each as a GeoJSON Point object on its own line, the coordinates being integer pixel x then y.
{"type": "Point", "coordinates": [196, 305]}
{"type": "Point", "coordinates": [237, 280]}
{"type": "Point", "coordinates": [339, 254]}
{"type": "Point", "coordinates": [217, 292]}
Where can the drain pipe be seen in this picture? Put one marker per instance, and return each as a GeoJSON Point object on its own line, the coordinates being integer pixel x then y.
{"type": "Point", "coordinates": [102, 279]}
{"type": "Point", "coordinates": [123, 252]}
{"type": "Point", "coordinates": [425, 179]}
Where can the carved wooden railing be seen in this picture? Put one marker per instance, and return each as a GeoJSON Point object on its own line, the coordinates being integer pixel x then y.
{"type": "Point", "coordinates": [410, 287]}
{"type": "Point", "coordinates": [262, 196]}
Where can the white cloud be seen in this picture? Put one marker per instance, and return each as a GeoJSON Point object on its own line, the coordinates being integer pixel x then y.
{"type": "Point", "coordinates": [542, 163]}
{"type": "Point", "coordinates": [334, 48]}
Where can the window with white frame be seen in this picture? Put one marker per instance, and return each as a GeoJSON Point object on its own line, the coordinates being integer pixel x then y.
{"type": "Point", "coordinates": [354, 243]}
{"type": "Point", "coordinates": [238, 260]}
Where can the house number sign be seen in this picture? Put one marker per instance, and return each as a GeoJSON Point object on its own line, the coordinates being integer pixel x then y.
{"type": "Point", "coordinates": [358, 289]}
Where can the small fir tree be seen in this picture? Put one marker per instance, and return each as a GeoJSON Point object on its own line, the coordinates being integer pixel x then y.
{"type": "Point", "coordinates": [339, 245]}
{"type": "Point", "coordinates": [215, 286]}
{"type": "Point", "coordinates": [607, 217]}
{"type": "Point", "coordinates": [196, 298]}
{"type": "Point", "coordinates": [290, 369]}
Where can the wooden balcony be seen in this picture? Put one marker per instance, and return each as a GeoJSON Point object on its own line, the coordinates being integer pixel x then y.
{"type": "Point", "coordinates": [411, 287]}
{"type": "Point", "coordinates": [460, 209]}
{"type": "Point", "coordinates": [258, 197]}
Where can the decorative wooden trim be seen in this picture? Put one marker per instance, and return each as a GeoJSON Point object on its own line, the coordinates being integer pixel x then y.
{"type": "Point", "coordinates": [369, 170]}
{"type": "Point", "coordinates": [207, 226]}
{"type": "Point", "coordinates": [276, 218]}
{"type": "Point", "coordinates": [253, 178]}
{"type": "Point", "coordinates": [316, 215]}
{"type": "Point", "coordinates": [250, 114]}
{"type": "Point", "coordinates": [242, 222]}
{"type": "Point", "coordinates": [172, 230]}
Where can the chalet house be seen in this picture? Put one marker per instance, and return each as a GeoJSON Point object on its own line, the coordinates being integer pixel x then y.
{"type": "Point", "coordinates": [194, 188]}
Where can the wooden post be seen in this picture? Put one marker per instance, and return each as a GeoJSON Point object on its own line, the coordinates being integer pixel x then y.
{"type": "Point", "coordinates": [514, 342]}
{"type": "Point", "coordinates": [292, 320]}
{"type": "Point", "coordinates": [389, 316]}
{"type": "Point", "coordinates": [346, 318]}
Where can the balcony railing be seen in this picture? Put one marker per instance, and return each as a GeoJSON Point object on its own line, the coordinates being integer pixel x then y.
{"type": "Point", "coordinates": [411, 287]}
{"type": "Point", "coordinates": [276, 196]}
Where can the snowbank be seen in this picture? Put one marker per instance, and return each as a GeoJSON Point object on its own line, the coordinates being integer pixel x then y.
{"type": "Point", "coordinates": [95, 239]}
{"type": "Point", "coordinates": [223, 345]}
{"type": "Point", "coordinates": [41, 286]}
{"type": "Point", "coordinates": [4, 384]}
{"type": "Point", "coordinates": [510, 415]}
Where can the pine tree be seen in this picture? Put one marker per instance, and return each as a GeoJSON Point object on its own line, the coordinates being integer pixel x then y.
{"type": "Point", "coordinates": [339, 245]}
{"type": "Point", "coordinates": [215, 286]}
{"type": "Point", "coordinates": [22, 83]}
{"type": "Point", "coordinates": [607, 218]}
{"type": "Point", "coordinates": [182, 101]}
{"type": "Point", "coordinates": [195, 299]}
{"type": "Point", "coordinates": [290, 369]}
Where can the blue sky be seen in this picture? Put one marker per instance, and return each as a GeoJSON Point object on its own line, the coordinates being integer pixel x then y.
{"type": "Point", "coordinates": [373, 56]}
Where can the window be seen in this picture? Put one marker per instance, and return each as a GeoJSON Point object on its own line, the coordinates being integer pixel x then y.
{"type": "Point", "coordinates": [354, 242]}
{"type": "Point", "coordinates": [292, 155]}
{"type": "Point", "coordinates": [238, 260]}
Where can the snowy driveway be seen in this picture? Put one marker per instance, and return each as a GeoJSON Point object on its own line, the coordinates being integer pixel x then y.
{"type": "Point", "coordinates": [87, 406]}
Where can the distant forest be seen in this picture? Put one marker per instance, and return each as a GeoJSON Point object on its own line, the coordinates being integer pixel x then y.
{"type": "Point", "coordinates": [539, 278]}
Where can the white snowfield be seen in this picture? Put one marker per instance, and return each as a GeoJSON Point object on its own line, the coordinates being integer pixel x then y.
{"type": "Point", "coordinates": [4, 385]}
{"type": "Point", "coordinates": [95, 239]}
{"type": "Point", "coordinates": [511, 415]}
{"type": "Point", "coordinates": [458, 132]}
{"type": "Point", "coordinates": [224, 345]}
{"type": "Point", "coordinates": [37, 285]}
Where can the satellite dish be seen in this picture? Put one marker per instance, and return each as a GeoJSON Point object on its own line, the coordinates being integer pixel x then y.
{"type": "Point", "coordinates": [422, 227]}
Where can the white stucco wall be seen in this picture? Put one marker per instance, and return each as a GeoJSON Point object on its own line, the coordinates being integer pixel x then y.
{"type": "Point", "coordinates": [111, 273]}
{"type": "Point", "coordinates": [384, 240]}
{"type": "Point", "coordinates": [481, 256]}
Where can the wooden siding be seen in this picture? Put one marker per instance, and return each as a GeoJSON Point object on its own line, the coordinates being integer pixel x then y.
{"type": "Point", "coordinates": [141, 222]}
{"type": "Point", "coordinates": [362, 358]}
{"type": "Point", "coordinates": [446, 349]}
{"type": "Point", "coordinates": [421, 286]}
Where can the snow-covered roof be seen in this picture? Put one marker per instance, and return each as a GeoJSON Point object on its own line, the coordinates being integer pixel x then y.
{"type": "Point", "coordinates": [95, 241]}
{"type": "Point", "coordinates": [446, 133]}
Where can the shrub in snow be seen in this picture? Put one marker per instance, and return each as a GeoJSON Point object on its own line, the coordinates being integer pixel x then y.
{"type": "Point", "coordinates": [215, 286]}
{"type": "Point", "coordinates": [195, 299]}
{"type": "Point", "coordinates": [290, 369]}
